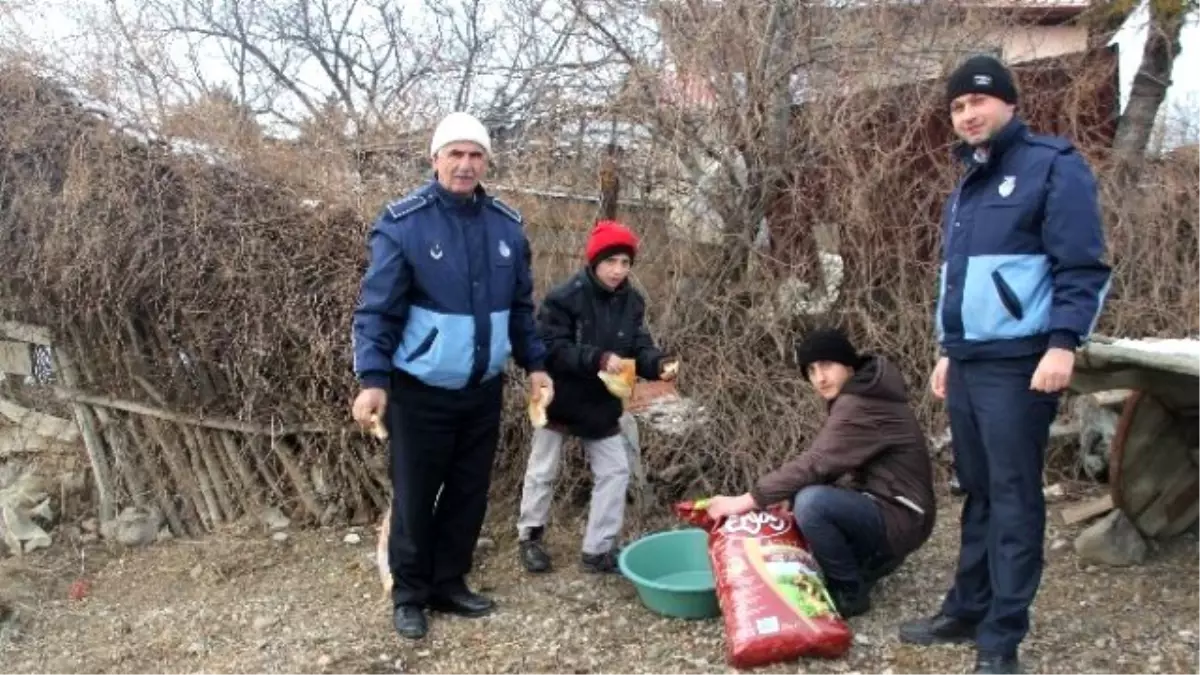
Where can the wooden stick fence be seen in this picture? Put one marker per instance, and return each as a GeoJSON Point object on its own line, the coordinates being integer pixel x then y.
{"type": "Point", "coordinates": [201, 472]}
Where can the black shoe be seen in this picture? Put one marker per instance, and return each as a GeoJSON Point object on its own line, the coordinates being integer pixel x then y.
{"type": "Point", "coordinates": [534, 556]}
{"type": "Point", "coordinates": [600, 563]}
{"type": "Point", "coordinates": [410, 622]}
{"type": "Point", "coordinates": [851, 603]}
{"type": "Point", "coordinates": [991, 662]}
{"type": "Point", "coordinates": [462, 603]}
{"type": "Point", "coordinates": [940, 629]}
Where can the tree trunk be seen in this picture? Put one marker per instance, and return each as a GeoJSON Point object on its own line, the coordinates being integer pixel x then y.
{"type": "Point", "coordinates": [766, 154]}
{"type": "Point", "coordinates": [610, 184]}
{"type": "Point", "coordinates": [1149, 87]}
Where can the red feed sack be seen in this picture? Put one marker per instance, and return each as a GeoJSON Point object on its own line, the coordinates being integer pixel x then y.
{"type": "Point", "coordinates": [774, 602]}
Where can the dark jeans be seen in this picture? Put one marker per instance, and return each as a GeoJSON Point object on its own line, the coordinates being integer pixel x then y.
{"type": "Point", "coordinates": [845, 530]}
{"type": "Point", "coordinates": [440, 440]}
{"type": "Point", "coordinates": [1000, 429]}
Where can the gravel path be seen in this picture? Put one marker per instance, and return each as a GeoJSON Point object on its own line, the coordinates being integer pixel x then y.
{"type": "Point", "coordinates": [242, 602]}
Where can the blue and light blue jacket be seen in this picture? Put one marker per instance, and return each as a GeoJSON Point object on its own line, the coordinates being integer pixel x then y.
{"type": "Point", "coordinates": [1022, 249]}
{"type": "Point", "coordinates": [448, 294]}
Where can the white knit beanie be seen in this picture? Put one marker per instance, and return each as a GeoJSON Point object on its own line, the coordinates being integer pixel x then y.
{"type": "Point", "coordinates": [460, 126]}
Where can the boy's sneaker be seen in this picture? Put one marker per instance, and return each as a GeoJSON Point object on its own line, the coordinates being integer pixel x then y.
{"type": "Point", "coordinates": [600, 563]}
{"type": "Point", "coordinates": [533, 554]}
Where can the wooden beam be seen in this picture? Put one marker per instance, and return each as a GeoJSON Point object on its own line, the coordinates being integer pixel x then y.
{"type": "Point", "coordinates": [23, 332]}
{"type": "Point", "coordinates": [1176, 389]}
{"type": "Point", "coordinates": [181, 418]}
{"type": "Point", "coordinates": [1089, 509]}
{"type": "Point", "coordinates": [92, 440]}
{"type": "Point", "coordinates": [564, 195]}
{"type": "Point", "coordinates": [1114, 398]}
{"type": "Point", "coordinates": [1101, 356]}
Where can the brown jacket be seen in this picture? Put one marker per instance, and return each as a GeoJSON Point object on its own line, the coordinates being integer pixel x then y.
{"type": "Point", "coordinates": [870, 442]}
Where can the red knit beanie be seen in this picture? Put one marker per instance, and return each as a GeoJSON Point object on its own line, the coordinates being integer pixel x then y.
{"type": "Point", "coordinates": [609, 238]}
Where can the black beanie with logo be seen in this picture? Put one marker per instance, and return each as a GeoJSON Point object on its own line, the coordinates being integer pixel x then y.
{"type": "Point", "coordinates": [982, 75]}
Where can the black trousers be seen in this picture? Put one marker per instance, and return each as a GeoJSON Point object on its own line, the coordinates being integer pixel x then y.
{"type": "Point", "coordinates": [441, 440]}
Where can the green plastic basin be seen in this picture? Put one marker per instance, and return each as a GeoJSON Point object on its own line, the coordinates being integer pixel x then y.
{"type": "Point", "coordinates": [672, 573]}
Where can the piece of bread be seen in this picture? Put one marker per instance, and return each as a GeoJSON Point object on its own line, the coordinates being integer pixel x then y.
{"type": "Point", "coordinates": [671, 369]}
{"type": "Point", "coordinates": [377, 429]}
{"type": "Point", "coordinates": [539, 400]}
{"type": "Point", "coordinates": [621, 384]}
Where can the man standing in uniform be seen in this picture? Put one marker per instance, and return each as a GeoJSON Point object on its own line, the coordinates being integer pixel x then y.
{"type": "Point", "coordinates": [445, 300]}
{"type": "Point", "coordinates": [1022, 285]}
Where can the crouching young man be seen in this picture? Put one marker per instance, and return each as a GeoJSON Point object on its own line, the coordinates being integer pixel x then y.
{"type": "Point", "coordinates": [862, 493]}
{"type": "Point", "coordinates": [589, 324]}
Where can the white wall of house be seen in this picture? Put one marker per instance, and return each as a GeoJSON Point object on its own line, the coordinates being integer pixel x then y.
{"type": "Point", "coordinates": [1040, 42]}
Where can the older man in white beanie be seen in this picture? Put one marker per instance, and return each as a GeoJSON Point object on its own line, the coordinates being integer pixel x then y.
{"type": "Point", "coordinates": [446, 299]}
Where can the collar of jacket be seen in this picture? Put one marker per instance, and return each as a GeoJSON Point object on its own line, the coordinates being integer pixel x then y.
{"type": "Point", "coordinates": [455, 202]}
{"type": "Point", "coordinates": [599, 285]}
{"type": "Point", "coordinates": [1002, 141]}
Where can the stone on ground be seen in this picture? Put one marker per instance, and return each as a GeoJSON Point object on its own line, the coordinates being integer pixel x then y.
{"type": "Point", "coordinates": [1113, 540]}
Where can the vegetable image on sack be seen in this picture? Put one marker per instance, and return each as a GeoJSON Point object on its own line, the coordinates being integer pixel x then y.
{"type": "Point", "coordinates": [773, 599]}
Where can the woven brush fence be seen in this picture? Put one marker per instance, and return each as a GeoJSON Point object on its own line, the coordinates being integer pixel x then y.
{"type": "Point", "coordinates": [198, 317]}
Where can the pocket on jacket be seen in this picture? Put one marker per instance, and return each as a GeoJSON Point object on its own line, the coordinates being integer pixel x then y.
{"type": "Point", "coordinates": [1007, 297]}
{"type": "Point", "coordinates": [423, 348]}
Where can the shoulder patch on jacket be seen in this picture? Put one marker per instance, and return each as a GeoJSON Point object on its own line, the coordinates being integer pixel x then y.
{"type": "Point", "coordinates": [1057, 142]}
{"type": "Point", "coordinates": [407, 205]}
{"type": "Point", "coordinates": [506, 209]}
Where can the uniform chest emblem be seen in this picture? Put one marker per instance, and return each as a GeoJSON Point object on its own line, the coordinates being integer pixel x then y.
{"type": "Point", "coordinates": [436, 252]}
{"type": "Point", "coordinates": [505, 251]}
{"type": "Point", "coordinates": [1007, 186]}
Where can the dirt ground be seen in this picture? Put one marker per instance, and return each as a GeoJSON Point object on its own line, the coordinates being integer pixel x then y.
{"type": "Point", "coordinates": [243, 602]}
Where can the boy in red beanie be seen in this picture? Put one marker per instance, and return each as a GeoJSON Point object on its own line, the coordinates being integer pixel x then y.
{"type": "Point", "coordinates": [589, 323]}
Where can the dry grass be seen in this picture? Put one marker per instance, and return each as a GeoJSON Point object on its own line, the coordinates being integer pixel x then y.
{"type": "Point", "coordinates": [240, 602]}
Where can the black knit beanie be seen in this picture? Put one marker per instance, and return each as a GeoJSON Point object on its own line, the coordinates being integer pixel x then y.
{"type": "Point", "coordinates": [829, 344]}
{"type": "Point", "coordinates": [982, 75]}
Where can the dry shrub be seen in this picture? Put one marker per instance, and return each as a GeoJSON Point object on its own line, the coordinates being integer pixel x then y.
{"type": "Point", "coordinates": [176, 281]}
{"type": "Point", "coordinates": [875, 168]}
{"type": "Point", "coordinates": [114, 241]}
{"type": "Point", "coordinates": [211, 289]}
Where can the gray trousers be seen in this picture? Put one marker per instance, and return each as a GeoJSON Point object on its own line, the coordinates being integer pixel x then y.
{"type": "Point", "coordinates": [609, 459]}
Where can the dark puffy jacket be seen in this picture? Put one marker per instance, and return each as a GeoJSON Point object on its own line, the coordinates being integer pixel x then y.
{"type": "Point", "coordinates": [581, 321]}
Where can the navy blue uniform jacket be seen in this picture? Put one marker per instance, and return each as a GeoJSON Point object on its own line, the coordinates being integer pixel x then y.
{"type": "Point", "coordinates": [1022, 250]}
{"type": "Point", "coordinates": [448, 294]}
